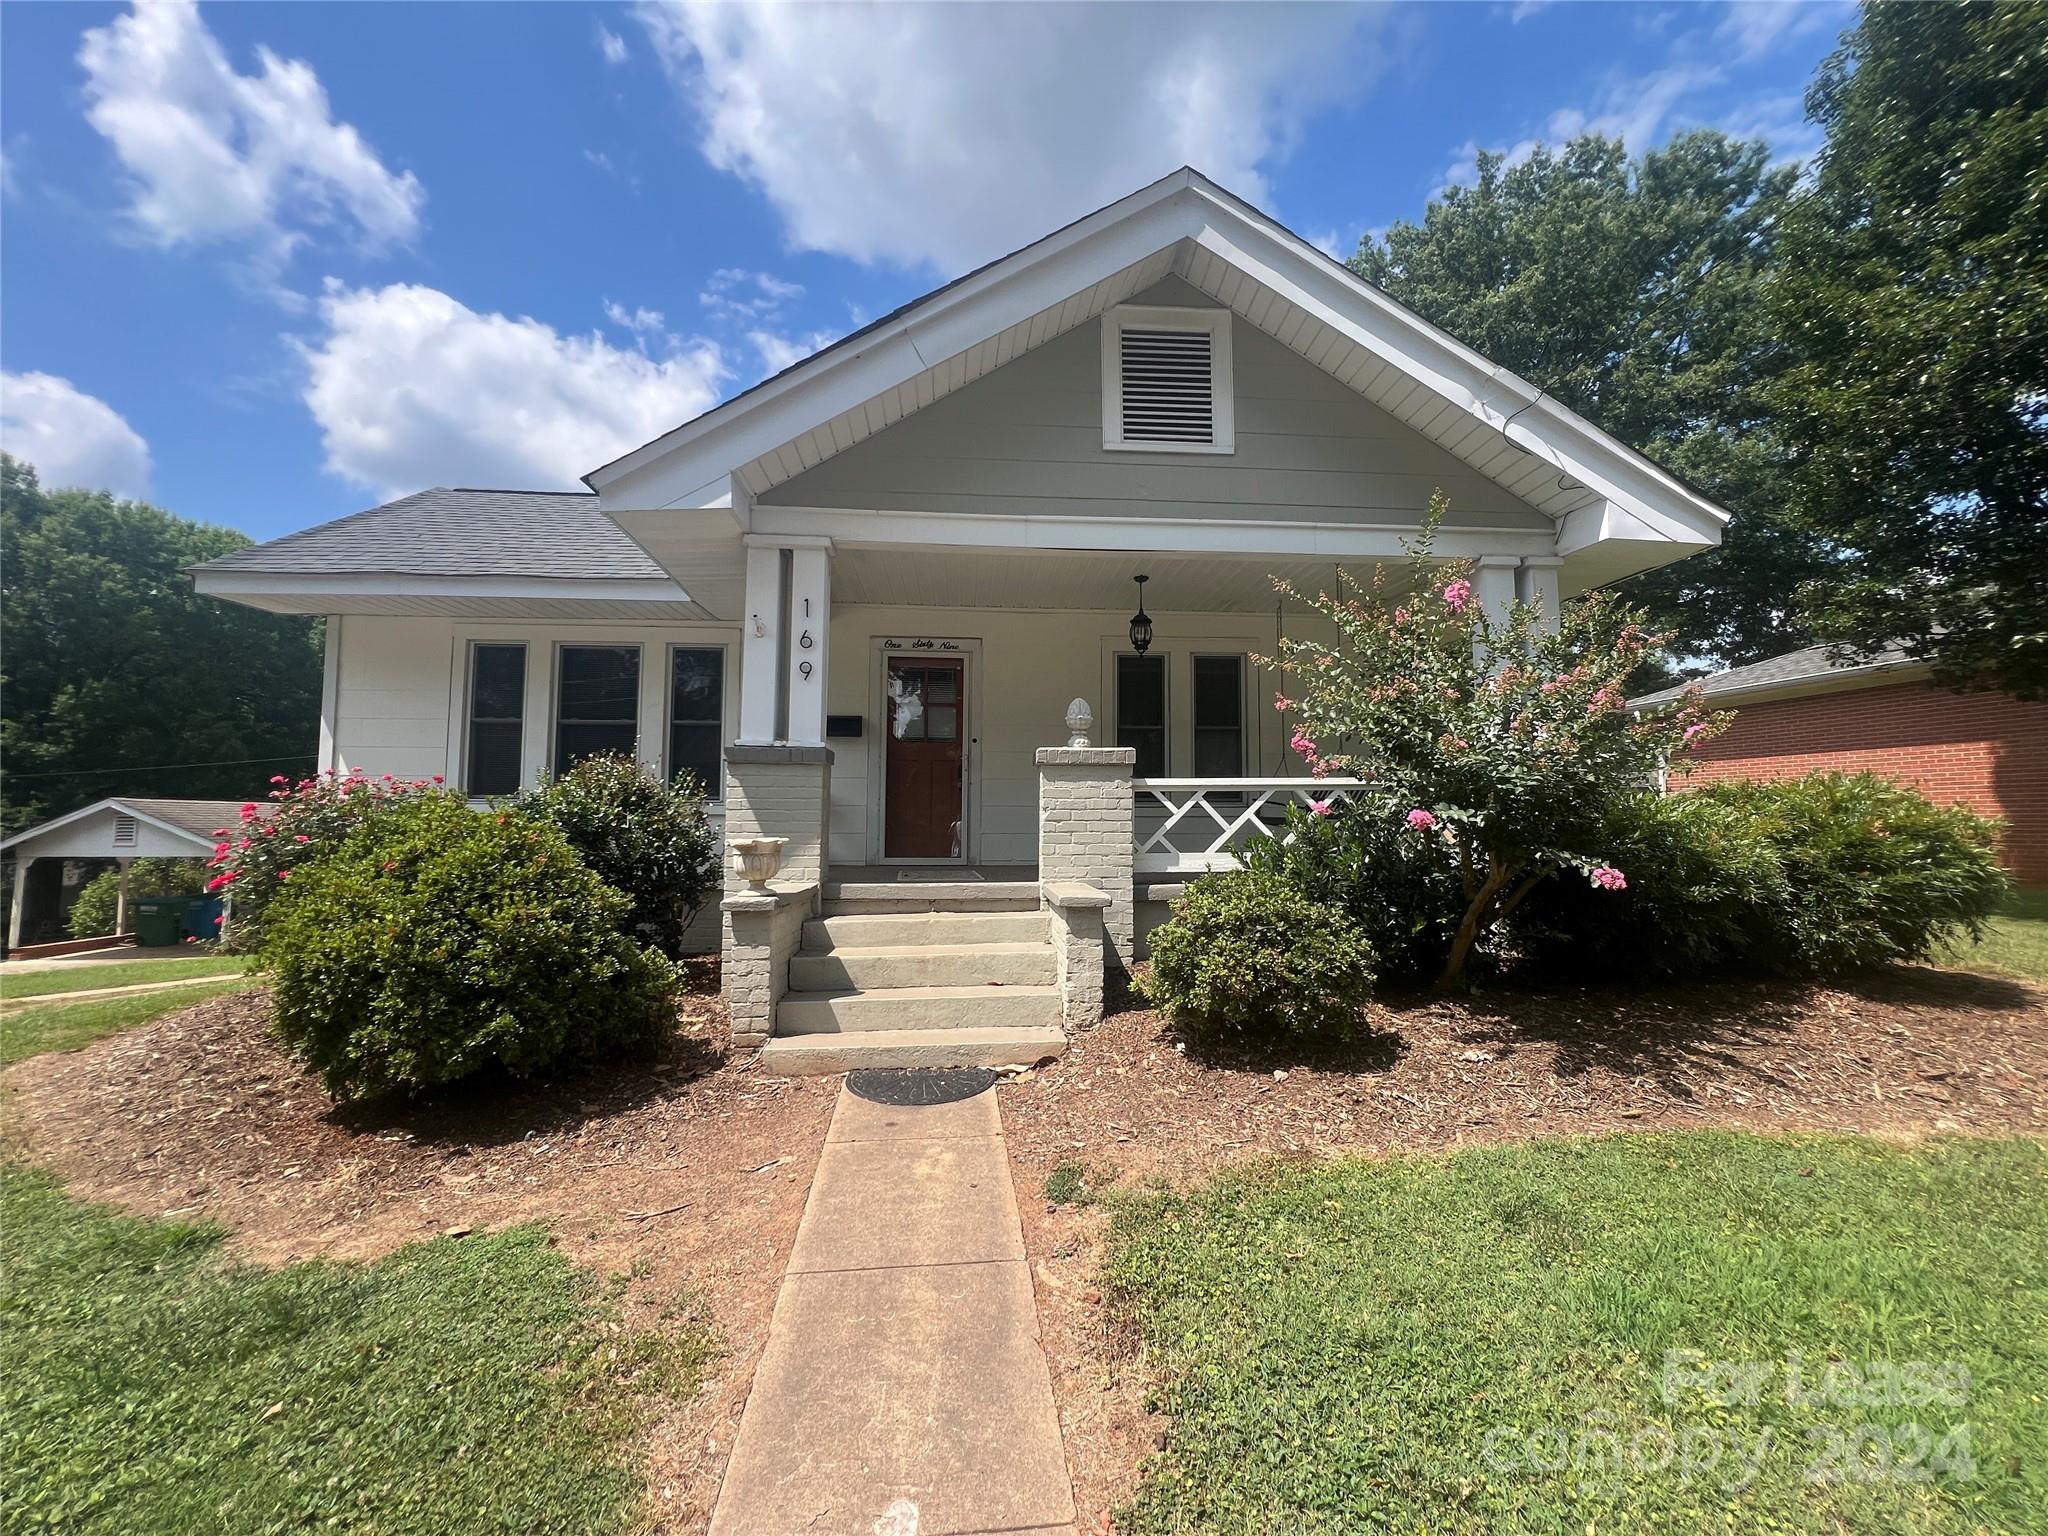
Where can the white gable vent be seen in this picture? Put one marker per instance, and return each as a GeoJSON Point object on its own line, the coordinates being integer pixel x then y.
{"type": "Point", "coordinates": [124, 831]}
{"type": "Point", "coordinates": [1166, 380]}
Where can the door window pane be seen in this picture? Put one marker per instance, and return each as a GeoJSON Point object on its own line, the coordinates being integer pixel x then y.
{"type": "Point", "coordinates": [1141, 711]}
{"type": "Point", "coordinates": [597, 703]}
{"type": "Point", "coordinates": [497, 709]}
{"type": "Point", "coordinates": [1219, 717]}
{"type": "Point", "coordinates": [696, 716]}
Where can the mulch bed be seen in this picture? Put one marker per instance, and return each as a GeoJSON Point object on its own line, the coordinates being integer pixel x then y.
{"type": "Point", "coordinates": [1909, 1053]}
{"type": "Point", "coordinates": [688, 1174]}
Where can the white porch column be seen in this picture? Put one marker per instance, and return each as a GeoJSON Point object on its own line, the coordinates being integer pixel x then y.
{"type": "Point", "coordinates": [1495, 580]}
{"type": "Point", "coordinates": [121, 896]}
{"type": "Point", "coordinates": [21, 864]}
{"type": "Point", "coordinates": [1536, 582]}
{"type": "Point", "coordinates": [785, 634]}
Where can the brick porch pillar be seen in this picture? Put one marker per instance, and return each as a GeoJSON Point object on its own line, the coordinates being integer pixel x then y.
{"type": "Point", "coordinates": [1085, 819]}
{"type": "Point", "coordinates": [771, 791]}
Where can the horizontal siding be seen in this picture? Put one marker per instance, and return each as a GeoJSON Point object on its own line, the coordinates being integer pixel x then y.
{"type": "Point", "coordinates": [1027, 440]}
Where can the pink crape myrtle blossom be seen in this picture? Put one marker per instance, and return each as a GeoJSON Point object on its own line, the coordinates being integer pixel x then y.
{"type": "Point", "coordinates": [1608, 878]}
{"type": "Point", "coordinates": [1302, 746]}
{"type": "Point", "coordinates": [1420, 819]}
{"type": "Point", "coordinates": [1320, 807]}
{"type": "Point", "coordinates": [1457, 594]}
{"type": "Point", "coordinates": [1697, 729]}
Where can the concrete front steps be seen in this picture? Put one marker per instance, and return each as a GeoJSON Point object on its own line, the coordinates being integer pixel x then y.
{"type": "Point", "coordinates": [901, 976]}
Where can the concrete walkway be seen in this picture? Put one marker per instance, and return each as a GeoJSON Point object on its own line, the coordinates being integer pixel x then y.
{"type": "Point", "coordinates": [903, 1391]}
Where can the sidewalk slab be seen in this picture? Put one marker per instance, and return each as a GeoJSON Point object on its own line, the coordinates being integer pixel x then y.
{"type": "Point", "coordinates": [924, 1385]}
{"type": "Point", "coordinates": [883, 1204]}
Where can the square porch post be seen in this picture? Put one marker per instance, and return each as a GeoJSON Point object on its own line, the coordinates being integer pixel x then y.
{"type": "Point", "coordinates": [1085, 824]}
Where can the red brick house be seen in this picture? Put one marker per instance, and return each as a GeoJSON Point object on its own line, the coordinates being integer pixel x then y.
{"type": "Point", "coordinates": [1801, 713]}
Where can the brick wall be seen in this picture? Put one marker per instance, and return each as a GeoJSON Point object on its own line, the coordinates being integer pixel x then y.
{"type": "Point", "coordinates": [1988, 751]}
{"type": "Point", "coordinates": [1084, 832]}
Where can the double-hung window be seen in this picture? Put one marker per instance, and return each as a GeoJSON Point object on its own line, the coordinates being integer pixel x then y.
{"type": "Point", "coordinates": [1218, 721]}
{"type": "Point", "coordinates": [696, 715]}
{"type": "Point", "coordinates": [597, 702]}
{"type": "Point", "coordinates": [497, 719]}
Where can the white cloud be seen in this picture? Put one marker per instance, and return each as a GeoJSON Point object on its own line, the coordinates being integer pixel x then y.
{"type": "Point", "coordinates": [735, 294]}
{"type": "Point", "coordinates": [778, 352]}
{"type": "Point", "coordinates": [948, 134]}
{"type": "Point", "coordinates": [71, 437]}
{"type": "Point", "coordinates": [611, 45]}
{"type": "Point", "coordinates": [1637, 110]}
{"type": "Point", "coordinates": [641, 321]}
{"type": "Point", "coordinates": [212, 154]}
{"type": "Point", "coordinates": [1756, 27]}
{"type": "Point", "coordinates": [1522, 10]}
{"type": "Point", "coordinates": [412, 388]}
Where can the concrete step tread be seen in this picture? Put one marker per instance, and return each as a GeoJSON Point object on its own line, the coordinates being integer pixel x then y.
{"type": "Point", "coordinates": [890, 951]}
{"type": "Point", "coordinates": [801, 1055]}
{"type": "Point", "coordinates": [927, 890]}
{"type": "Point", "coordinates": [919, 994]}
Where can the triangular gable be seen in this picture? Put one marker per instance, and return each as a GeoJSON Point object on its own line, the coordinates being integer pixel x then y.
{"type": "Point", "coordinates": [1183, 226]}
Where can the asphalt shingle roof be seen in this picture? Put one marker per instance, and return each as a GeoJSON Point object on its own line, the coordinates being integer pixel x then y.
{"type": "Point", "coordinates": [1786, 671]}
{"type": "Point", "coordinates": [202, 818]}
{"type": "Point", "coordinates": [459, 533]}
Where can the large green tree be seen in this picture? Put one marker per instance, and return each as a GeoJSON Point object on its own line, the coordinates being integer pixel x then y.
{"type": "Point", "coordinates": [116, 677]}
{"type": "Point", "coordinates": [1631, 290]}
{"type": "Point", "coordinates": [1914, 291]}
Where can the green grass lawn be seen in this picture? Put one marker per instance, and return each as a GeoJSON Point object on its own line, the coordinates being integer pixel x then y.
{"type": "Point", "coordinates": [127, 973]}
{"type": "Point", "coordinates": [62, 1026]}
{"type": "Point", "coordinates": [2017, 943]}
{"type": "Point", "coordinates": [1478, 1343]}
{"type": "Point", "coordinates": [149, 1386]}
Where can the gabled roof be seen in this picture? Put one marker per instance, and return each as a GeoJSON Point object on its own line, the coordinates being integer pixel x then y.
{"type": "Point", "coordinates": [194, 819]}
{"type": "Point", "coordinates": [1812, 670]}
{"type": "Point", "coordinates": [1183, 225]}
{"type": "Point", "coordinates": [461, 532]}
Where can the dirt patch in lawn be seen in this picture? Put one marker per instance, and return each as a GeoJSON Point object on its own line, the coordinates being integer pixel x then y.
{"type": "Point", "coordinates": [1909, 1053]}
{"type": "Point", "coordinates": [687, 1174]}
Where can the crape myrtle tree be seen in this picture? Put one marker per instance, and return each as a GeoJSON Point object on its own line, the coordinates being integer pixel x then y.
{"type": "Point", "coordinates": [1505, 740]}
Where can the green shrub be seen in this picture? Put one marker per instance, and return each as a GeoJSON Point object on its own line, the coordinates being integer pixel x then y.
{"type": "Point", "coordinates": [648, 839]}
{"type": "Point", "coordinates": [93, 913]}
{"type": "Point", "coordinates": [1399, 888]}
{"type": "Point", "coordinates": [434, 942]}
{"type": "Point", "coordinates": [1246, 954]}
{"type": "Point", "coordinates": [1810, 876]}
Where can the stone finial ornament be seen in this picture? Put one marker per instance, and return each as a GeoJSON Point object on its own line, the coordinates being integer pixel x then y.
{"type": "Point", "coordinates": [1079, 718]}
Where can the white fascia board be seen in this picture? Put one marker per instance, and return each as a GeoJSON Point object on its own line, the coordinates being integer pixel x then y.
{"type": "Point", "coordinates": [236, 584]}
{"type": "Point", "coordinates": [121, 807]}
{"type": "Point", "coordinates": [1012, 291]}
{"type": "Point", "coordinates": [1002, 536]}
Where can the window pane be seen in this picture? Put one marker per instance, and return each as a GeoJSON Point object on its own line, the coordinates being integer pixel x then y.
{"type": "Point", "coordinates": [1219, 717]}
{"type": "Point", "coordinates": [1141, 711]}
{"type": "Point", "coordinates": [497, 707]}
{"type": "Point", "coordinates": [597, 705]}
{"type": "Point", "coordinates": [599, 682]}
{"type": "Point", "coordinates": [696, 714]}
{"type": "Point", "coordinates": [942, 723]}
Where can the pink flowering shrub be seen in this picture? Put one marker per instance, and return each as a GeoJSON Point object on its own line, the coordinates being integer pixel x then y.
{"type": "Point", "coordinates": [295, 825]}
{"type": "Point", "coordinates": [1507, 733]}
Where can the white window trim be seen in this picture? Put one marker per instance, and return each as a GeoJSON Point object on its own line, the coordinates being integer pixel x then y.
{"type": "Point", "coordinates": [1222, 388]}
{"type": "Point", "coordinates": [668, 708]}
{"type": "Point", "coordinates": [468, 716]}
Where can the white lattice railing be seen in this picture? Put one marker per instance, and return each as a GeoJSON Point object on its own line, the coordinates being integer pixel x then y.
{"type": "Point", "coordinates": [1186, 826]}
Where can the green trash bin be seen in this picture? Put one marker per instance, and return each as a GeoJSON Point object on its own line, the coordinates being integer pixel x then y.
{"type": "Point", "coordinates": [159, 919]}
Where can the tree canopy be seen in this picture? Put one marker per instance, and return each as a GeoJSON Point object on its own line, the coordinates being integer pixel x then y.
{"type": "Point", "coordinates": [118, 677]}
{"type": "Point", "coordinates": [1913, 293]}
{"type": "Point", "coordinates": [1631, 290]}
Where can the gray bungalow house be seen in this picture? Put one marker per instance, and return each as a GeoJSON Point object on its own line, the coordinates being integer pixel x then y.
{"type": "Point", "coordinates": [882, 603]}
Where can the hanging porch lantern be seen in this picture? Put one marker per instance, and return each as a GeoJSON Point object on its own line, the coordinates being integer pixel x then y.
{"type": "Point", "coordinates": [1141, 621]}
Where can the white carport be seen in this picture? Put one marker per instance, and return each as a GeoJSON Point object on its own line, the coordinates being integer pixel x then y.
{"type": "Point", "coordinates": [121, 829]}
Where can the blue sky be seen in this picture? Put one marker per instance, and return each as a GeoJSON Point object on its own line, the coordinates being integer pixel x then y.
{"type": "Point", "coordinates": [271, 263]}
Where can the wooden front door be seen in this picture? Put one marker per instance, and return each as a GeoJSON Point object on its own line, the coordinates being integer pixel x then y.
{"type": "Point", "coordinates": [923, 791]}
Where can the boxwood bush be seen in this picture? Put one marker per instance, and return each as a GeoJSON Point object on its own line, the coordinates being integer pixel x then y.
{"type": "Point", "coordinates": [647, 838]}
{"type": "Point", "coordinates": [1247, 955]}
{"type": "Point", "coordinates": [434, 942]}
{"type": "Point", "coordinates": [1811, 876]}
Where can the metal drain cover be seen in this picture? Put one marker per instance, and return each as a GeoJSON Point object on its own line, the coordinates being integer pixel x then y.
{"type": "Point", "coordinates": [911, 1086]}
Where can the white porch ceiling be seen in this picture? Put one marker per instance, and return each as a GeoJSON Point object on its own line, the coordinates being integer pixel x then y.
{"type": "Point", "coordinates": [1075, 581]}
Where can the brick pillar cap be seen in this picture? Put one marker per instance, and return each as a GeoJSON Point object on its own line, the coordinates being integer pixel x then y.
{"type": "Point", "coordinates": [1087, 757]}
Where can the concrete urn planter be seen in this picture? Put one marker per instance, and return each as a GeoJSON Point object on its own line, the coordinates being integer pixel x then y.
{"type": "Point", "coordinates": [757, 860]}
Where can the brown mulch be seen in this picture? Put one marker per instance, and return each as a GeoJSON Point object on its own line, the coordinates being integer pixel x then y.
{"type": "Point", "coordinates": [688, 1174]}
{"type": "Point", "coordinates": [1909, 1053]}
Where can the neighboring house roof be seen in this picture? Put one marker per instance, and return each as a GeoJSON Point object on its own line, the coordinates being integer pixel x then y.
{"type": "Point", "coordinates": [1811, 670]}
{"type": "Point", "coordinates": [1186, 226]}
{"type": "Point", "coordinates": [194, 819]}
